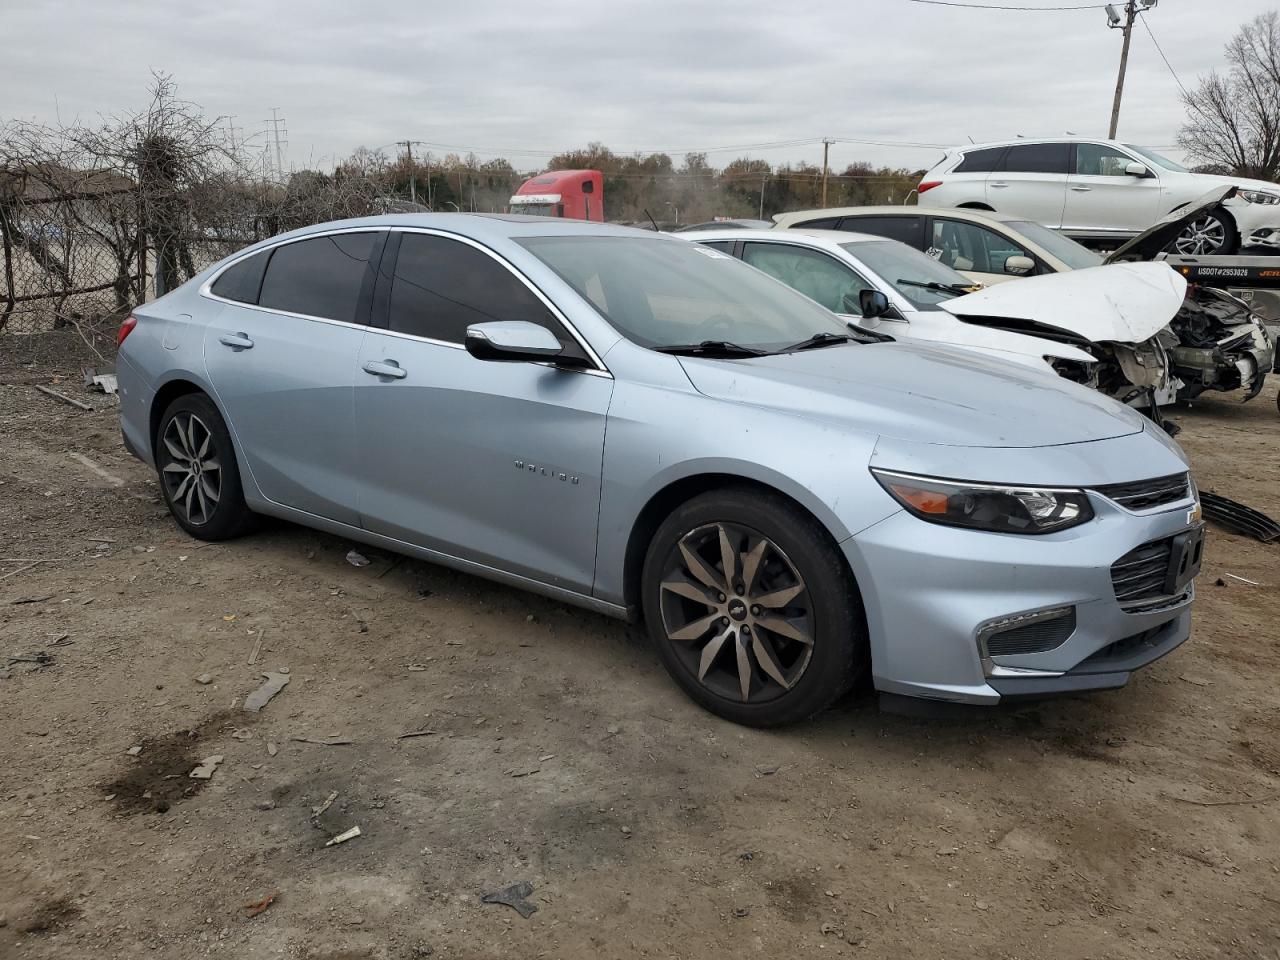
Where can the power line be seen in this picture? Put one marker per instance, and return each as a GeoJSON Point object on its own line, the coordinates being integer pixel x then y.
{"type": "Point", "coordinates": [1173, 72]}
{"type": "Point", "coordinates": [989, 6]}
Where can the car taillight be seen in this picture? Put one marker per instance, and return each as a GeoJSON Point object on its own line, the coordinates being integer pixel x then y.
{"type": "Point", "coordinates": [928, 185]}
{"type": "Point", "coordinates": [126, 328]}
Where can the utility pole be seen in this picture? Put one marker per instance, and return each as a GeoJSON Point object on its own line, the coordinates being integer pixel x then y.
{"type": "Point", "coordinates": [413, 183]}
{"type": "Point", "coordinates": [1117, 22]}
{"type": "Point", "coordinates": [826, 146]}
{"type": "Point", "coordinates": [763, 181]}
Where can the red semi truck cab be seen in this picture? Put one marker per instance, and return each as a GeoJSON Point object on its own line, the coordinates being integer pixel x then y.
{"type": "Point", "coordinates": [572, 194]}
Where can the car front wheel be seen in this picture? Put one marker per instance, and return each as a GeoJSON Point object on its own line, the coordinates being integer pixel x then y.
{"type": "Point", "coordinates": [1212, 233]}
{"type": "Point", "coordinates": [198, 473]}
{"type": "Point", "coordinates": [752, 608]}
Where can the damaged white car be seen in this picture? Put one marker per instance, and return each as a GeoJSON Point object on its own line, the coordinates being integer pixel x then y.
{"type": "Point", "coordinates": [1214, 340]}
{"type": "Point", "coordinates": [1099, 326]}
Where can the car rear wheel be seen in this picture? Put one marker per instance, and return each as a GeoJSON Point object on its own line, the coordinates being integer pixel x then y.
{"type": "Point", "coordinates": [1212, 233]}
{"type": "Point", "coordinates": [752, 608]}
{"type": "Point", "coordinates": [198, 473]}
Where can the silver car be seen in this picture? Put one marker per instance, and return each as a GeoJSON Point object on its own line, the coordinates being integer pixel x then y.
{"type": "Point", "coordinates": [650, 428]}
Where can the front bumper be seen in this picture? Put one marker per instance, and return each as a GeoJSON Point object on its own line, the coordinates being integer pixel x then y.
{"type": "Point", "coordinates": [929, 591]}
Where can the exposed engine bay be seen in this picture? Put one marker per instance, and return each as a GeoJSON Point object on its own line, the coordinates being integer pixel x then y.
{"type": "Point", "coordinates": [1221, 345]}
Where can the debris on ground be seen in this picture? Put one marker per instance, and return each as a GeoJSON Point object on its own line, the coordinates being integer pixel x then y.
{"type": "Point", "coordinates": [134, 750]}
{"type": "Point", "coordinates": [21, 600]}
{"type": "Point", "coordinates": [514, 897]}
{"type": "Point", "coordinates": [344, 837]}
{"type": "Point", "coordinates": [50, 392]}
{"type": "Point", "coordinates": [204, 679]}
{"type": "Point", "coordinates": [1252, 583]}
{"type": "Point", "coordinates": [39, 660]}
{"type": "Point", "coordinates": [272, 749]}
{"type": "Point", "coordinates": [325, 742]}
{"type": "Point", "coordinates": [415, 733]}
{"type": "Point", "coordinates": [260, 906]}
{"type": "Point", "coordinates": [274, 683]}
{"type": "Point", "coordinates": [61, 640]}
{"type": "Point", "coordinates": [357, 559]}
{"type": "Point", "coordinates": [105, 382]}
{"type": "Point", "coordinates": [257, 649]}
{"type": "Point", "coordinates": [205, 770]}
{"type": "Point", "coordinates": [318, 812]}
{"type": "Point", "coordinates": [242, 734]}
{"type": "Point", "coordinates": [1238, 518]}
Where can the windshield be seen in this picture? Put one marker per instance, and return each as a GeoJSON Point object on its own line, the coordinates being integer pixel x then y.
{"type": "Point", "coordinates": [663, 293]}
{"type": "Point", "coordinates": [910, 272]}
{"type": "Point", "coordinates": [1074, 255]}
{"type": "Point", "coordinates": [1158, 160]}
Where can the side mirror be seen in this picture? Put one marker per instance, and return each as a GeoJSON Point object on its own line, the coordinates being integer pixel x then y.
{"type": "Point", "coordinates": [1136, 169]}
{"type": "Point", "coordinates": [1019, 266]}
{"type": "Point", "coordinates": [872, 303]}
{"type": "Point", "coordinates": [512, 341]}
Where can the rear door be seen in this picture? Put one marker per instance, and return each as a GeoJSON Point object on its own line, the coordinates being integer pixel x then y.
{"type": "Point", "coordinates": [1031, 181]}
{"type": "Point", "coordinates": [1103, 200]}
{"type": "Point", "coordinates": [497, 463]}
{"type": "Point", "coordinates": [281, 355]}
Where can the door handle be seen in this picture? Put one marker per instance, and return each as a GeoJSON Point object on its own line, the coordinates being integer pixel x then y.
{"type": "Point", "coordinates": [1080, 189]}
{"type": "Point", "coordinates": [237, 341]}
{"type": "Point", "coordinates": [385, 368]}
{"type": "Point", "coordinates": [998, 186]}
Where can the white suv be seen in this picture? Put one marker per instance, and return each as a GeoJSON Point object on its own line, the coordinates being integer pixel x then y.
{"type": "Point", "coordinates": [1102, 190]}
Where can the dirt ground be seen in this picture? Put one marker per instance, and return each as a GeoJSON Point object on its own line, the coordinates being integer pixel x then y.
{"type": "Point", "coordinates": [1137, 823]}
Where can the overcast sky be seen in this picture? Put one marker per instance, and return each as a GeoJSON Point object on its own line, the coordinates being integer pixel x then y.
{"type": "Point", "coordinates": [528, 79]}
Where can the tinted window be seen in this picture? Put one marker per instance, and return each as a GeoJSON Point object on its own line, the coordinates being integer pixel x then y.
{"type": "Point", "coordinates": [1036, 158]}
{"type": "Point", "coordinates": [722, 245]}
{"type": "Point", "coordinates": [321, 277]}
{"type": "Point", "coordinates": [908, 230]}
{"type": "Point", "coordinates": [818, 223]}
{"type": "Point", "coordinates": [1096, 160]}
{"type": "Point", "coordinates": [242, 281]}
{"type": "Point", "coordinates": [442, 286]}
{"type": "Point", "coordinates": [967, 246]}
{"type": "Point", "coordinates": [981, 161]}
{"type": "Point", "coordinates": [815, 274]}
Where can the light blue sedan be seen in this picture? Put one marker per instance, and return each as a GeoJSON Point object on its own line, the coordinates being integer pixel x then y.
{"type": "Point", "coordinates": [650, 428]}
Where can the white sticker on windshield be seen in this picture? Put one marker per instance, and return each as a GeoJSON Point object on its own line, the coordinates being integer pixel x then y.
{"type": "Point", "coordinates": [934, 252]}
{"type": "Point", "coordinates": [714, 254]}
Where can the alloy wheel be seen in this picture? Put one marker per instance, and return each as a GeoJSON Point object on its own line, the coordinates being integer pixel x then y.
{"type": "Point", "coordinates": [193, 479]}
{"type": "Point", "coordinates": [1205, 235]}
{"type": "Point", "coordinates": [736, 612]}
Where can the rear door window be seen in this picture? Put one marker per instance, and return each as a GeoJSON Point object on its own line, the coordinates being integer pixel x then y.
{"type": "Point", "coordinates": [321, 276]}
{"type": "Point", "coordinates": [905, 229]}
{"type": "Point", "coordinates": [817, 223]}
{"type": "Point", "coordinates": [1036, 158]}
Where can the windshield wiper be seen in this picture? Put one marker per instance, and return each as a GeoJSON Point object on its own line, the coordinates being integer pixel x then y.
{"type": "Point", "coordinates": [956, 288]}
{"type": "Point", "coordinates": [718, 348]}
{"type": "Point", "coordinates": [823, 339]}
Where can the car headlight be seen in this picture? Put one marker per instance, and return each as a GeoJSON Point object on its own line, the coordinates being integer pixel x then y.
{"type": "Point", "coordinates": [1259, 196]}
{"type": "Point", "coordinates": [985, 506]}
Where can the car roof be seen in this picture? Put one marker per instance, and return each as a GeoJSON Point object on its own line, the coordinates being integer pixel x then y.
{"type": "Point", "coordinates": [896, 211]}
{"type": "Point", "coordinates": [824, 237]}
{"type": "Point", "coordinates": [479, 226]}
{"type": "Point", "coordinates": [1077, 138]}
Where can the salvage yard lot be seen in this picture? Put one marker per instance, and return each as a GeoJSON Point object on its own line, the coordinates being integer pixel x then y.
{"type": "Point", "coordinates": [555, 750]}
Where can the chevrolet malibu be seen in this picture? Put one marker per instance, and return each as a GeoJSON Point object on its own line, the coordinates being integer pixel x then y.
{"type": "Point", "coordinates": [649, 428]}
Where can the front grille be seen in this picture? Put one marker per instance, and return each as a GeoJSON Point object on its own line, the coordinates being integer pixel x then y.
{"type": "Point", "coordinates": [1145, 494]}
{"type": "Point", "coordinates": [1140, 573]}
{"type": "Point", "coordinates": [1035, 637]}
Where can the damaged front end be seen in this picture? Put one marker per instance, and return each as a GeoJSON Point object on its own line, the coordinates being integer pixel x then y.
{"type": "Point", "coordinates": [1221, 345]}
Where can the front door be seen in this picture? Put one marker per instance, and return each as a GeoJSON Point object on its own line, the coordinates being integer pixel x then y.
{"type": "Point", "coordinates": [1103, 199]}
{"type": "Point", "coordinates": [498, 463]}
{"type": "Point", "coordinates": [280, 356]}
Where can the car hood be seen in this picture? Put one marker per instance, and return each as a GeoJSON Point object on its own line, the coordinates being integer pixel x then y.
{"type": "Point", "coordinates": [1152, 241]}
{"type": "Point", "coordinates": [1123, 302]}
{"type": "Point", "coordinates": [921, 393]}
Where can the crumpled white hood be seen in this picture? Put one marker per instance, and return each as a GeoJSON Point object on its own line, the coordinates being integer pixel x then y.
{"type": "Point", "coordinates": [1122, 302]}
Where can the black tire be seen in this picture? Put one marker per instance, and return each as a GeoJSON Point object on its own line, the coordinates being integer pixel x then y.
{"type": "Point", "coordinates": [1221, 222]}
{"type": "Point", "coordinates": [210, 504]}
{"type": "Point", "coordinates": [799, 550]}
